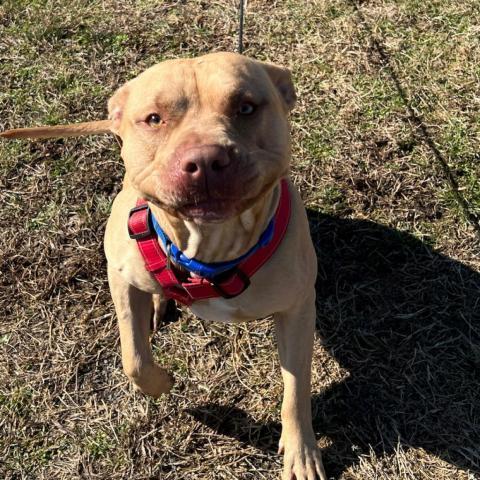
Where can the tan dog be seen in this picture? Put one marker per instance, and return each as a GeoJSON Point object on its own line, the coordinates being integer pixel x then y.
{"type": "Point", "coordinates": [206, 141]}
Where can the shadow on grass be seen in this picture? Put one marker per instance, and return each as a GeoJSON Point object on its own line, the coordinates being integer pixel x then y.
{"type": "Point", "coordinates": [405, 322]}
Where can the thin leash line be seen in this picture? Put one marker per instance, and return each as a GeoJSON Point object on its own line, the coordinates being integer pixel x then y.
{"type": "Point", "coordinates": [241, 17]}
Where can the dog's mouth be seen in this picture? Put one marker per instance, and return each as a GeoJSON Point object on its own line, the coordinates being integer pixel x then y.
{"type": "Point", "coordinates": [201, 209]}
{"type": "Point", "coordinates": [203, 205]}
{"type": "Point", "coordinates": [209, 209]}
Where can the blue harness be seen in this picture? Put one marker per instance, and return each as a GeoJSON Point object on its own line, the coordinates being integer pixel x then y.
{"type": "Point", "coordinates": [207, 270]}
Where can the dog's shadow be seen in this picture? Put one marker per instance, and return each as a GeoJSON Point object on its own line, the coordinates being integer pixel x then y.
{"type": "Point", "coordinates": [404, 322]}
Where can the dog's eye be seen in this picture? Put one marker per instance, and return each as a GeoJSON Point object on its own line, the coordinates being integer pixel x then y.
{"type": "Point", "coordinates": [153, 119]}
{"type": "Point", "coordinates": [247, 108]}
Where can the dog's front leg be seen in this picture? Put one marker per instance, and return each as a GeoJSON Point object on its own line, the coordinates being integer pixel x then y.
{"type": "Point", "coordinates": [134, 311]}
{"type": "Point", "coordinates": [295, 332]}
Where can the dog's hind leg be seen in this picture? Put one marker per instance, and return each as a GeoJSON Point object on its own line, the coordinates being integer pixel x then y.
{"type": "Point", "coordinates": [159, 309]}
{"type": "Point", "coordinates": [134, 311]}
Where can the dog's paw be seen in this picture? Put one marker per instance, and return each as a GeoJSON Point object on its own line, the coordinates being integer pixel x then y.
{"type": "Point", "coordinates": [154, 381]}
{"type": "Point", "coordinates": [302, 460]}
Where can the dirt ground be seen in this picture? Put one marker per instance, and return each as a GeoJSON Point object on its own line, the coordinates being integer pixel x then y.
{"type": "Point", "coordinates": [386, 155]}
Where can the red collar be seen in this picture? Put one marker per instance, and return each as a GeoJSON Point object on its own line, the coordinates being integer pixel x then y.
{"type": "Point", "coordinates": [228, 285]}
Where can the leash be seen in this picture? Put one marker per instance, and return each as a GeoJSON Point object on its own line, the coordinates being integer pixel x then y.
{"type": "Point", "coordinates": [241, 17]}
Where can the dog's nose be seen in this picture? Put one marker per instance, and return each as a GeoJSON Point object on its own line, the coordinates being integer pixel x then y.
{"type": "Point", "coordinates": [204, 161]}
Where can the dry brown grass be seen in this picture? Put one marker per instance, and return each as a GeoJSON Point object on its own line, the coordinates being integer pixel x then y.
{"type": "Point", "coordinates": [395, 377]}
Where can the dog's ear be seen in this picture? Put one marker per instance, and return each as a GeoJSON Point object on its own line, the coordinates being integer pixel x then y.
{"type": "Point", "coordinates": [282, 79]}
{"type": "Point", "coordinates": [116, 106]}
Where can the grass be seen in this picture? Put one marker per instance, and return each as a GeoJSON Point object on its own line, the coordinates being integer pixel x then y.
{"type": "Point", "coordinates": [388, 90]}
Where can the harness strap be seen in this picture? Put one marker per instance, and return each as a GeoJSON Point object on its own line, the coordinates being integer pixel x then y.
{"type": "Point", "coordinates": [227, 285]}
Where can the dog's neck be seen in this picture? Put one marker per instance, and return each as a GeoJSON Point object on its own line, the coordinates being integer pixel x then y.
{"type": "Point", "coordinates": [219, 242]}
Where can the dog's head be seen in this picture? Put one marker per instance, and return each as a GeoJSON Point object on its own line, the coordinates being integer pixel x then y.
{"type": "Point", "coordinates": [205, 138]}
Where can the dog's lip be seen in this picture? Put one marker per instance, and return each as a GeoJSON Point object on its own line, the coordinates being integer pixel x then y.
{"type": "Point", "coordinates": [213, 209]}
{"type": "Point", "coordinates": [207, 209]}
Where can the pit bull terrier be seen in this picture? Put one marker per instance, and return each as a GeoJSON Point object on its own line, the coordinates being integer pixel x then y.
{"type": "Point", "coordinates": [208, 216]}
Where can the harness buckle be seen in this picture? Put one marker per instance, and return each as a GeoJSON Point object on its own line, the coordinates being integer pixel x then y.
{"type": "Point", "coordinates": [242, 275]}
{"type": "Point", "coordinates": [178, 293]}
{"type": "Point", "coordinates": [145, 233]}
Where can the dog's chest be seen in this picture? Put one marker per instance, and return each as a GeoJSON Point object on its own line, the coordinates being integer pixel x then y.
{"type": "Point", "coordinates": [220, 310]}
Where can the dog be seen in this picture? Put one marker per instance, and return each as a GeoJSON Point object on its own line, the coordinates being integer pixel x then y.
{"type": "Point", "coordinates": [206, 147]}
